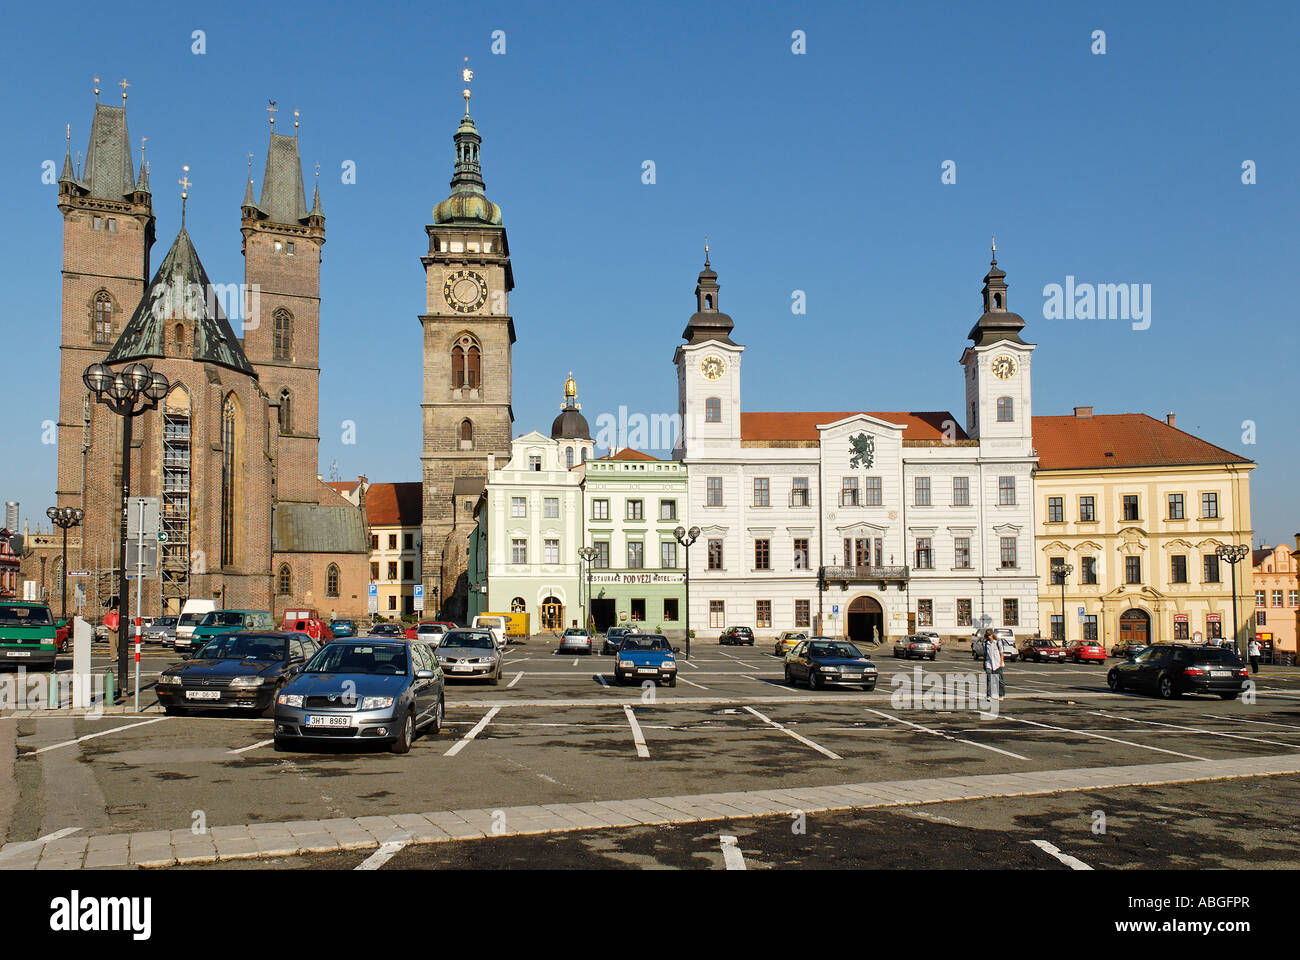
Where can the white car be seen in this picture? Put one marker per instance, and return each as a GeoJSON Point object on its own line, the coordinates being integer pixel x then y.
{"type": "Point", "coordinates": [934, 638]}
{"type": "Point", "coordinates": [431, 633]}
{"type": "Point", "coordinates": [1005, 635]}
{"type": "Point", "coordinates": [496, 625]}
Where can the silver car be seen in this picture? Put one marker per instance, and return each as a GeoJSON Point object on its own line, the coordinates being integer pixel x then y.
{"type": "Point", "coordinates": [162, 630]}
{"type": "Point", "coordinates": [470, 655]}
{"type": "Point", "coordinates": [575, 640]}
{"type": "Point", "coordinates": [915, 646]}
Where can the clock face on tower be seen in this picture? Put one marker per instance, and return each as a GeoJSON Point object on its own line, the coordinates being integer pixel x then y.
{"type": "Point", "coordinates": [712, 367]}
{"type": "Point", "coordinates": [1004, 367]}
{"type": "Point", "coordinates": [465, 291]}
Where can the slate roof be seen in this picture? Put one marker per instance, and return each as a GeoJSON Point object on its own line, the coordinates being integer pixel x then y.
{"type": "Point", "coordinates": [108, 172]}
{"type": "Point", "coordinates": [284, 199]}
{"type": "Point", "coordinates": [1120, 440]}
{"type": "Point", "coordinates": [180, 291]}
{"type": "Point", "coordinates": [395, 504]}
{"type": "Point", "coordinates": [317, 528]}
{"type": "Point", "coordinates": [802, 425]}
{"type": "Point", "coordinates": [570, 425]}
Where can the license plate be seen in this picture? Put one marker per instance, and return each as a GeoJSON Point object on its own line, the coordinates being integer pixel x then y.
{"type": "Point", "coordinates": [1220, 673]}
{"type": "Point", "coordinates": [202, 694]}
{"type": "Point", "coordinates": [329, 721]}
{"type": "Point", "coordinates": [647, 670]}
{"type": "Point", "coordinates": [461, 668]}
{"type": "Point", "coordinates": [852, 676]}
{"type": "Point", "coordinates": [19, 653]}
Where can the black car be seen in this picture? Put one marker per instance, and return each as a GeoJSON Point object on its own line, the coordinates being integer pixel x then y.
{"type": "Point", "coordinates": [614, 639]}
{"type": "Point", "coordinates": [824, 660]}
{"type": "Point", "coordinates": [236, 671]}
{"type": "Point", "coordinates": [1172, 669]}
{"type": "Point", "coordinates": [737, 635]}
{"type": "Point", "coordinates": [389, 630]}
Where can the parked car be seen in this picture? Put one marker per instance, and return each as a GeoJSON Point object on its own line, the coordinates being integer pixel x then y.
{"type": "Point", "coordinates": [933, 637]}
{"type": "Point", "coordinates": [192, 614]}
{"type": "Point", "coordinates": [575, 640]}
{"type": "Point", "coordinates": [431, 631]}
{"type": "Point", "coordinates": [470, 655]}
{"type": "Point", "coordinates": [1127, 648]}
{"type": "Point", "coordinates": [62, 634]}
{"type": "Point", "coordinates": [220, 622]}
{"type": "Point", "coordinates": [27, 635]}
{"type": "Point", "coordinates": [162, 630]}
{"type": "Point", "coordinates": [314, 627]}
{"type": "Point", "coordinates": [1041, 649]}
{"type": "Point", "coordinates": [343, 628]}
{"type": "Point", "coordinates": [788, 641]}
{"type": "Point", "coordinates": [737, 635]}
{"type": "Point", "coordinates": [382, 691]}
{"type": "Point", "coordinates": [236, 671]}
{"type": "Point", "coordinates": [497, 624]}
{"type": "Point", "coordinates": [915, 645]}
{"type": "Point", "coordinates": [823, 660]}
{"type": "Point", "coordinates": [1005, 636]}
{"type": "Point", "coordinates": [646, 656]}
{"type": "Point", "coordinates": [388, 629]}
{"type": "Point", "coordinates": [1172, 669]}
{"type": "Point", "coordinates": [614, 639]}
{"type": "Point", "coordinates": [1082, 650]}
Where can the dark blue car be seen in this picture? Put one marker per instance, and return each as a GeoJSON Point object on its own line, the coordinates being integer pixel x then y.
{"type": "Point", "coordinates": [645, 656]}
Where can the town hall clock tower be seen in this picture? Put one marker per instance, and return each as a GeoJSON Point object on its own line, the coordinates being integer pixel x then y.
{"type": "Point", "coordinates": [468, 335]}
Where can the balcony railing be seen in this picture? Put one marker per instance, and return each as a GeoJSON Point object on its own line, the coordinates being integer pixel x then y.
{"type": "Point", "coordinates": [861, 574]}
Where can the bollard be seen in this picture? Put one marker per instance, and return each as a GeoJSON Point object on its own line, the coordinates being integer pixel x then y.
{"type": "Point", "coordinates": [52, 701]}
{"type": "Point", "coordinates": [108, 687]}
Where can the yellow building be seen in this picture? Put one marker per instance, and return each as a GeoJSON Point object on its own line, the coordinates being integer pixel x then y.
{"type": "Point", "coordinates": [1137, 508]}
{"type": "Point", "coordinates": [393, 521]}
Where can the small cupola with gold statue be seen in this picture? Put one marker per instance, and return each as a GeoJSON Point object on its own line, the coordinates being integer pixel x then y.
{"type": "Point", "coordinates": [570, 428]}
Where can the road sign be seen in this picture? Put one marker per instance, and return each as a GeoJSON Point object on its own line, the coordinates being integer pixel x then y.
{"type": "Point", "coordinates": [419, 596]}
{"type": "Point", "coordinates": [1081, 614]}
{"type": "Point", "coordinates": [135, 522]}
{"type": "Point", "coordinates": [162, 536]}
{"type": "Point", "coordinates": [150, 559]}
{"type": "Point", "coordinates": [835, 609]}
{"type": "Point", "coordinates": [372, 590]}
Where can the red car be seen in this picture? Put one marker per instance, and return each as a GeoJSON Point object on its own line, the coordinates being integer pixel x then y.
{"type": "Point", "coordinates": [314, 627]}
{"type": "Point", "coordinates": [1082, 650]}
{"type": "Point", "coordinates": [1039, 649]}
{"type": "Point", "coordinates": [414, 629]}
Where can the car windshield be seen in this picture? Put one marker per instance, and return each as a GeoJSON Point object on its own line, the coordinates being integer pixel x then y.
{"type": "Point", "coordinates": [1044, 643]}
{"type": "Point", "coordinates": [658, 644]}
{"type": "Point", "coordinates": [244, 646]}
{"type": "Point", "coordinates": [165, 622]}
{"type": "Point", "coordinates": [844, 650]}
{"type": "Point", "coordinates": [429, 628]}
{"type": "Point", "coordinates": [381, 659]}
{"type": "Point", "coordinates": [467, 638]}
{"type": "Point", "coordinates": [1217, 657]}
{"type": "Point", "coordinates": [223, 618]}
{"type": "Point", "coordinates": [26, 616]}
{"type": "Point", "coordinates": [575, 632]}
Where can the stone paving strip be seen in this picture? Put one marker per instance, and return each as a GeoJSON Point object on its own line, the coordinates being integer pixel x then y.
{"type": "Point", "coordinates": [164, 848]}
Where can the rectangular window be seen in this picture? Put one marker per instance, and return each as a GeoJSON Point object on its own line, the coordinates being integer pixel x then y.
{"type": "Point", "coordinates": [799, 492]}
{"type": "Point", "coordinates": [963, 613]}
{"type": "Point", "coordinates": [762, 492]}
{"type": "Point", "coordinates": [924, 555]}
{"type": "Point", "coordinates": [1213, 629]}
{"type": "Point", "coordinates": [715, 554]}
{"type": "Point", "coordinates": [374, 541]}
{"type": "Point", "coordinates": [550, 507]}
{"type": "Point", "coordinates": [1010, 613]}
{"type": "Point", "coordinates": [535, 464]}
{"type": "Point", "coordinates": [961, 553]}
{"type": "Point", "coordinates": [1058, 627]}
{"type": "Point", "coordinates": [1291, 597]}
{"type": "Point", "coordinates": [1054, 574]}
{"type": "Point", "coordinates": [1007, 491]}
{"type": "Point", "coordinates": [714, 491]}
{"type": "Point", "coordinates": [1088, 570]}
{"type": "Point", "coordinates": [392, 541]}
{"type": "Point", "coordinates": [1259, 598]}
{"type": "Point", "coordinates": [1131, 507]}
{"type": "Point", "coordinates": [1211, 568]}
{"type": "Point", "coordinates": [1178, 568]}
{"type": "Point", "coordinates": [408, 542]}
{"type": "Point", "coordinates": [636, 510]}
{"type": "Point", "coordinates": [518, 506]}
{"type": "Point", "coordinates": [392, 570]}
{"type": "Point", "coordinates": [717, 615]}
{"type": "Point", "coordinates": [874, 496]}
{"type": "Point", "coordinates": [667, 509]}
{"type": "Point", "coordinates": [1008, 553]}
{"type": "Point", "coordinates": [1175, 506]}
{"type": "Point", "coordinates": [1090, 627]}
{"type": "Point", "coordinates": [1087, 510]}
{"type": "Point", "coordinates": [408, 569]}
{"type": "Point", "coordinates": [849, 492]}
{"type": "Point", "coordinates": [713, 410]}
{"type": "Point", "coordinates": [374, 571]}
{"type": "Point", "coordinates": [600, 509]}
{"type": "Point", "coordinates": [601, 560]}
{"type": "Point", "coordinates": [880, 552]}
{"type": "Point", "coordinates": [1277, 598]}
{"type": "Point", "coordinates": [635, 554]}
{"type": "Point", "coordinates": [551, 551]}
{"type": "Point", "coordinates": [802, 613]}
{"type": "Point", "coordinates": [921, 489]}
{"type": "Point", "coordinates": [670, 609]}
{"type": "Point", "coordinates": [667, 555]}
{"type": "Point", "coordinates": [762, 555]}
{"type": "Point", "coordinates": [1005, 409]}
{"type": "Point", "coordinates": [801, 553]}
{"type": "Point", "coordinates": [1133, 570]}
{"type": "Point", "coordinates": [1055, 509]}
{"type": "Point", "coordinates": [961, 491]}
{"type": "Point", "coordinates": [925, 613]}
{"type": "Point", "coordinates": [1180, 629]}
{"type": "Point", "coordinates": [1209, 506]}
{"type": "Point", "coordinates": [763, 613]}
{"type": "Point", "coordinates": [518, 551]}
{"type": "Point", "coordinates": [392, 602]}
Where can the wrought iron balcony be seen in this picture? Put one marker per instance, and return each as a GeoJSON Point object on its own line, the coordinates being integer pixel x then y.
{"type": "Point", "coordinates": [864, 574]}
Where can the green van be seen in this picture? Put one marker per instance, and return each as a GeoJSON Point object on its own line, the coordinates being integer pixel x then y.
{"type": "Point", "coordinates": [27, 635]}
{"type": "Point", "coordinates": [219, 622]}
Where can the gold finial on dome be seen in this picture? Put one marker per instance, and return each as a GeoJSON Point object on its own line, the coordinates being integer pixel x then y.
{"type": "Point", "coordinates": [570, 387]}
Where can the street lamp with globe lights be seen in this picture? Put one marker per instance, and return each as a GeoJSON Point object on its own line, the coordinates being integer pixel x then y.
{"type": "Point", "coordinates": [1063, 570]}
{"type": "Point", "coordinates": [1234, 553]}
{"type": "Point", "coordinates": [686, 538]}
{"type": "Point", "coordinates": [587, 555]}
{"type": "Point", "coordinates": [128, 392]}
{"type": "Point", "coordinates": [64, 517]}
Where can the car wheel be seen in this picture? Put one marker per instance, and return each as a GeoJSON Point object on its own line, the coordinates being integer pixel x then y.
{"type": "Point", "coordinates": [789, 680]}
{"type": "Point", "coordinates": [435, 725]}
{"type": "Point", "coordinates": [402, 742]}
{"type": "Point", "coordinates": [933, 655]}
{"type": "Point", "coordinates": [672, 682]}
{"type": "Point", "coordinates": [868, 687]}
{"type": "Point", "coordinates": [1166, 687]}
{"type": "Point", "coordinates": [1229, 696]}
{"type": "Point", "coordinates": [814, 682]}
{"type": "Point", "coordinates": [1113, 681]}
{"type": "Point", "coordinates": [496, 678]}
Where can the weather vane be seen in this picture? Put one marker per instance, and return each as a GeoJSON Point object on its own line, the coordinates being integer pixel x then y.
{"type": "Point", "coordinates": [995, 248]}
{"type": "Point", "coordinates": [466, 74]}
{"type": "Point", "coordinates": [295, 123]}
{"type": "Point", "coordinates": [97, 89]}
{"type": "Point", "coordinates": [706, 249]}
{"type": "Point", "coordinates": [271, 109]}
{"type": "Point", "coordinates": [184, 181]}
{"type": "Point", "coordinates": [123, 84]}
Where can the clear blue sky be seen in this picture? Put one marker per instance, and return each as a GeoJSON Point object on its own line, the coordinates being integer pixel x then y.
{"type": "Point", "coordinates": [818, 172]}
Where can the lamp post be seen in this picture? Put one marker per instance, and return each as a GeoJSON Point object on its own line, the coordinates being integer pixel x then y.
{"type": "Point", "coordinates": [686, 538]}
{"type": "Point", "coordinates": [1234, 553]}
{"type": "Point", "coordinates": [587, 555]}
{"type": "Point", "coordinates": [1063, 570]}
{"type": "Point", "coordinates": [65, 517]}
{"type": "Point", "coordinates": [128, 392]}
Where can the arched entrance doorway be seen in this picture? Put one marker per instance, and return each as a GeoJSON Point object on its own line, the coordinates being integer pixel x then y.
{"type": "Point", "coordinates": [865, 622]}
{"type": "Point", "coordinates": [1135, 626]}
{"type": "Point", "coordinates": [552, 614]}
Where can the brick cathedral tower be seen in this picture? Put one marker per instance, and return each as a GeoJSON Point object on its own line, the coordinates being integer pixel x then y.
{"type": "Point", "coordinates": [468, 335]}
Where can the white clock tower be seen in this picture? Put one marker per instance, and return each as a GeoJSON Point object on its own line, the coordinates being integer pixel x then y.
{"type": "Point", "coordinates": [708, 376]}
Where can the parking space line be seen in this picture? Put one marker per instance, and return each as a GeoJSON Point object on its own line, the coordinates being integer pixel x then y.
{"type": "Point", "coordinates": [603, 681]}
{"type": "Point", "coordinates": [474, 731]}
{"type": "Point", "coordinates": [731, 855]}
{"type": "Point", "coordinates": [252, 746]}
{"type": "Point", "coordinates": [642, 750]}
{"type": "Point", "coordinates": [515, 680]}
{"type": "Point", "coordinates": [92, 736]}
{"type": "Point", "coordinates": [802, 739]}
{"type": "Point", "coordinates": [1098, 736]}
{"type": "Point", "coordinates": [1074, 863]}
{"type": "Point", "coordinates": [940, 733]}
{"type": "Point", "coordinates": [38, 842]}
{"type": "Point", "coordinates": [1214, 733]}
{"type": "Point", "coordinates": [693, 683]}
{"type": "Point", "coordinates": [690, 664]}
{"type": "Point", "coordinates": [1262, 723]}
{"type": "Point", "coordinates": [381, 856]}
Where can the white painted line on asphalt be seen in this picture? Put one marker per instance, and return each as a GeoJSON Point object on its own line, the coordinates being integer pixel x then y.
{"type": "Point", "coordinates": [381, 856]}
{"type": "Point", "coordinates": [693, 683]}
{"type": "Point", "coordinates": [39, 841]}
{"type": "Point", "coordinates": [252, 746]}
{"type": "Point", "coordinates": [459, 745]}
{"type": "Point", "coordinates": [92, 736]}
{"type": "Point", "coordinates": [1098, 736]}
{"type": "Point", "coordinates": [575, 662]}
{"type": "Point", "coordinates": [731, 855]}
{"type": "Point", "coordinates": [642, 750]}
{"type": "Point", "coordinates": [1262, 723]}
{"type": "Point", "coordinates": [1074, 863]}
{"type": "Point", "coordinates": [693, 666]}
{"type": "Point", "coordinates": [603, 681]}
{"type": "Point", "coordinates": [802, 739]}
{"type": "Point", "coordinates": [939, 733]}
{"type": "Point", "coordinates": [515, 680]}
{"type": "Point", "coordinates": [1213, 733]}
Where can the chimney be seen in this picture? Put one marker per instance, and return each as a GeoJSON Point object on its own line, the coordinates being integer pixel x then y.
{"type": "Point", "coordinates": [1083, 411]}
{"type": "Point", "coordinates": [1170, 419]}
{"type": "Point", "coordinates": [492, 462]}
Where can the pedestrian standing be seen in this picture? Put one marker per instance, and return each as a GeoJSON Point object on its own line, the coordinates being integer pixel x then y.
{"type": "Point", "coordinates": [993, 661]}
{"type": "Point", "coordinates": [1254, 656]}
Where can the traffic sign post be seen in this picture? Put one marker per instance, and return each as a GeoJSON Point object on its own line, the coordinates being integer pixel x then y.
{"type": "Point", "coordinates": [419, 598]}
{"type": "Point", "coordinates": [372, 598]}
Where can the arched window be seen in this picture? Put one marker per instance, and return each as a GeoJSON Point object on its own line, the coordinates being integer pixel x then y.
{"type": "Point", "coordinates": [332, 580]}
{"type": "Point", "coordinates": [232, 432]}
{"type": "Point", "coordinates": [713, 410]}
{"type": "Point", "coordinates": [457, 366]}
{"type": "Point", "coordinates": [568, 456]}
{"type": "Point", "coordinates": [584, 454]}
{"type": "Point", "coordinates": [997, 300]}
{"type": "Point", "coordinates": [466, 435]}
{"type": "Point", "coordinates": [473, 368]}
{"type": "Point", "coordinates": [282, 342]}
{"type": "Point", "coordinates": [284, 581]}
{"type": "Point", "coordinates": [102, 321]}
{"type": "Point", "coordinates": [466, 364]}
{"type": "Point", "coordinates": [517, 605]}
{"type": "Point", "coordinates": [286, 411]}
{"type": "Point", "coordinates": [178, 337]}
{"type": "Point", "coordinates": [1006, 410]}
{"type": "Point", "coordinates": [708, 301]}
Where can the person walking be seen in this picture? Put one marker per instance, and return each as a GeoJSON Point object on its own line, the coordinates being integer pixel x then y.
{"type": "Point", "coordinates": [1254, 656]}
{"type": "Point", "coordinates": [993, 662]}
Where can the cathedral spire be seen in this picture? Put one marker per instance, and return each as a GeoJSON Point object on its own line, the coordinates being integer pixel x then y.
{"type": "Point", "coordinates": [284, 198]}
{"type": "Point", "coordinates": [68, 175]}
{"type": "Point", "coordinates": [109, 173]}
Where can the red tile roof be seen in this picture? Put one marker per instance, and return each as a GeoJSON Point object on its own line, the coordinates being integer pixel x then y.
{"type": "Point", "coordinates": [395, 504]}
{"type": "Point", "coordinates": [1120, 440]}
{"type": "Point", "coordinates": [801, 425]}
{"type": "Point", "coordinates": [627, 453]}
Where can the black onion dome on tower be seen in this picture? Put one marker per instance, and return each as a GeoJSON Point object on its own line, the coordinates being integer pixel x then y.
{"type": "Point", "coordinates": [707, 323]}
{"type": "Point", "coordinates": [570, 424]}
{"type": "Point", "coordinates": [997, 322]}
